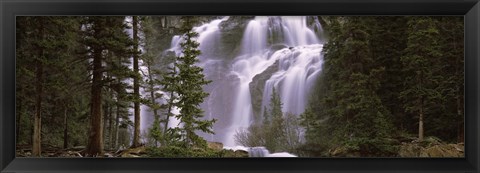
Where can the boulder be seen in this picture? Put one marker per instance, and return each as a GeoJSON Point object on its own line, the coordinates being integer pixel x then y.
{"type": "Point", "coordinates": [237, 153]}
{"type": "Point", "coordinates": [407, 150]}
{"type": "Point", "coordinates": [241, 153]}
{"type": "Point", "coordinates": [217, 146]}
{"type": "Point", "coordinates": [431, 148]}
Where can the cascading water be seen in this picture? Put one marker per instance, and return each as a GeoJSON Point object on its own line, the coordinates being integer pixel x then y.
{"type": "Point", "coordinates": [298, 69]}
{"type": "Point", "coordinates": [287, 42]}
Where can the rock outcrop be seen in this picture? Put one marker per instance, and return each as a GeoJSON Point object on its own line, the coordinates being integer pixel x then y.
{"type": "Point", "coordinates": [431, 147]}
{"type": "Point", "coordinates": [216, 146]}
{"type": "Point", "coordinates": [256, 89]}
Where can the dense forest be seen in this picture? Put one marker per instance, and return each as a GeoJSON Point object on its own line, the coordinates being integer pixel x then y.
{"type": "Point", "coordinates": [387, 79]}
{"type": "Point", "coordinates": [386, 85]}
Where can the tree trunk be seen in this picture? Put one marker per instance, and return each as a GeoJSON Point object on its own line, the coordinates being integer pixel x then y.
{"type": "Point", "coordinates": [95, 141]}
{"type": "Point", "coordinates": [19, 120]}
{"type": "Point", "coordinates": [105, 118]}
{"type": "Point", "coordinates": [420, 117]}
{"type": "Point", "coordinates": [37, 125]}
{"type": "Point", "coordinates": [117, 120]}
{"type": "Point", "coordinates": [65, 129]}
{"type": "Point", "coordinates": [461, 126]}
{"type": "Point", "coordinates": [461, 122]}
{"type": "Point", "coordinates": [420, 123]}
{"type": "Point", "coordinates": [152, 92]}
{"type": "Point", "coordinates": [136, 86]}
{"type": "Point", "coordinates": [110, 126]}
{"type": "Point", "coordinates": [170, 105]}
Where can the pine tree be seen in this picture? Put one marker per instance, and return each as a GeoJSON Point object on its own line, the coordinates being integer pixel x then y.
{"type": "Point", "coordinates": [275, 136]}
{"type": "Point", "coordinates": [136, 83]}
{"type": "Point", "coordinates": [47, 45]}
{"type": "Point", "coordinates": [103, 35]}
{"type": "Point", "coordinates": [191, 94]}
{"type": "Point", "coordinates": [170, 85]}
{"type": "Point", "coordinates": [421, 93]}
{"type": "Point", "coordinates": [348, 96]}
{"type": "Point", "coordinates": [449, 123]}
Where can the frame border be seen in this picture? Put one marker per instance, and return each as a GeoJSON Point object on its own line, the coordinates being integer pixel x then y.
{"type": "Point", "coordinates": [10, 8]}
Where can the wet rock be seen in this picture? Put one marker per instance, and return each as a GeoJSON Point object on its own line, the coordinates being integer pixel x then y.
{"type": "Point", "coordinates": [237, 153]}
{"type": "Point", "coordinates": [235, 23]}
{"type": "Point", "coordinates": [241, 153]}
{"type": "Point", "coordinates": [276, 47]}
{"type": "Point", "coordinates": [256, 89]}
{"type": "Point", "coordinates": [232, 33]}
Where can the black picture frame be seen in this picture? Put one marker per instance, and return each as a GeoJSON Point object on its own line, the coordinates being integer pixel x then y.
{"type": "Point", "coordinates": [9, 9]}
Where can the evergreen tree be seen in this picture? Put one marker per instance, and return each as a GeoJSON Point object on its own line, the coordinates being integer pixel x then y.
{"type": "Point", "coordinates": [349, 95]}
{"type": "Point", "coordinates": [47, 45]}
{"type": "Point", "coordinates": [136, 83]}
{"type": "Point", "coordinates": [421, 94]}
{"type": "Point", "coordinates": [103, 35]}
{"type": "Point", "coordinates": [449, 123]}
{"type": "Point", "coordinates": [275, 132]}
{"type": "Point", "coordinates": [170, 85]}
{"type": "Point", "coordinates": [191, 94]}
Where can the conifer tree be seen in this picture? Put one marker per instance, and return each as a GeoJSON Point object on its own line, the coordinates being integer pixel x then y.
{"type": "Point", "coordinates": [184, 83]}
{"type": "Point", "coordinates": [421, 93]}
{"type": "Point", "coordinates": [190, 92]}
{"type": "Point", "coordinates": [136, 83]}
{"type": "Point", "coordinates": [275, 134]}
{"type": "Point", "coordinates": [103, 35]}
{"type": "Point", "coordinates": [45, 48]}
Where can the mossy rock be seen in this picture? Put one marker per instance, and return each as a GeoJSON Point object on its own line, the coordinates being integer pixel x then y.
{"type": "Point", "coordinates": [217, 146]}
{"type": "Point", "coordinates": [237, 153]}
{"type": "Point", "coordinates": [431, 147]}
{"type": "Point", "coordinates": [409, 150]}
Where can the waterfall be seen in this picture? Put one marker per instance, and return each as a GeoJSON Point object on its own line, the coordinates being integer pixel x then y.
{"type": "Point", "coordinates": [289, 42]}
{"type": "Point", "coordinates": [298, 69]}
{"type": "Point", "coordinates": [258, 152]}
{"type": "Point", "coordinates": [263, 152]}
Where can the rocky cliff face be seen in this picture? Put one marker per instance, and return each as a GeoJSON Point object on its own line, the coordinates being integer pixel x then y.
{"type": "Point", "coordinates": [232, 33]}
{"type": "Point", "coordinates": [256, 89]}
